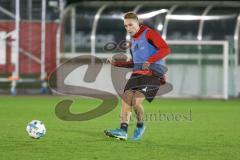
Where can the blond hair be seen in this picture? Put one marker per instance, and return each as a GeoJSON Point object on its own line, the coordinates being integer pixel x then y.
{"type": "Point", "coordinates": [131, 15]}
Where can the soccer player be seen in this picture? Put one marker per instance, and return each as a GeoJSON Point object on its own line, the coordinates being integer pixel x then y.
{"type": "Point", "coordinates": [147, 50]}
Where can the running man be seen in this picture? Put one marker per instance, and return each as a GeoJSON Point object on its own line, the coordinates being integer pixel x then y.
{"type": "Point", "coordinates": [147, 50]}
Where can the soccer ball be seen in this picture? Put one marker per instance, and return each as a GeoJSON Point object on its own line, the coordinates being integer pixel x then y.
{"type": "Point", "coordinates": [36, 129]}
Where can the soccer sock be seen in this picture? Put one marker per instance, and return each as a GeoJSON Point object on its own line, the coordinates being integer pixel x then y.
{"type": "Point", "coordinates": [124, 126]}
{"type": "Point", "coordinates": [139, 124]}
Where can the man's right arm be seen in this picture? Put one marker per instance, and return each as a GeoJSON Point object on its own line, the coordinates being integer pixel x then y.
{"type": "Point", "coordinates": [125, 64]}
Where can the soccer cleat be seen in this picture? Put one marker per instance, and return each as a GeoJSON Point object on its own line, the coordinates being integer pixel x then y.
{"type": "Point", "coordinates": [116, 133]}
{"type": "Point", "coordinates": [138, 132]}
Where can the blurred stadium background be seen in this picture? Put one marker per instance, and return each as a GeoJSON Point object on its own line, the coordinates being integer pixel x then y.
{"type": "Point", "coordinates": [37, 36]}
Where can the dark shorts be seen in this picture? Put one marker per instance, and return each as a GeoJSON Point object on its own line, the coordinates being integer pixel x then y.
{"type": "Point", "coordinates": [148, 85]}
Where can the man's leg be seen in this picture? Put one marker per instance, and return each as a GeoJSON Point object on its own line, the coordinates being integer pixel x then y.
{"type": "Point", "coordinates": [137, 100]}
{"type": "Point", "coordinates": [124, 117]}
{"type": "Point", "coordinates": [126, 110]}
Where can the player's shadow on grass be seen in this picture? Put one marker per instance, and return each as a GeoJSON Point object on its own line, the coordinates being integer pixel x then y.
{"type": "Point", "coordinates": [95, 135]}
{"type": "Point", "coordinates": [90, 133]}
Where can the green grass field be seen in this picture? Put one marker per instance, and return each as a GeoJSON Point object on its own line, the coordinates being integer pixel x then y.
{"type": "Point", "coordinates": [210, 132]}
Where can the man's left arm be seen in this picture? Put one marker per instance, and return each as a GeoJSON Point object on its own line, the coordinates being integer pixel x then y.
{"type": "Point", "coordinates": [157, 41]}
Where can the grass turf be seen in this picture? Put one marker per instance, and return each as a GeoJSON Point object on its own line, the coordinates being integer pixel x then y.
{"type": "Point", "coordinates": [186, 130]}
